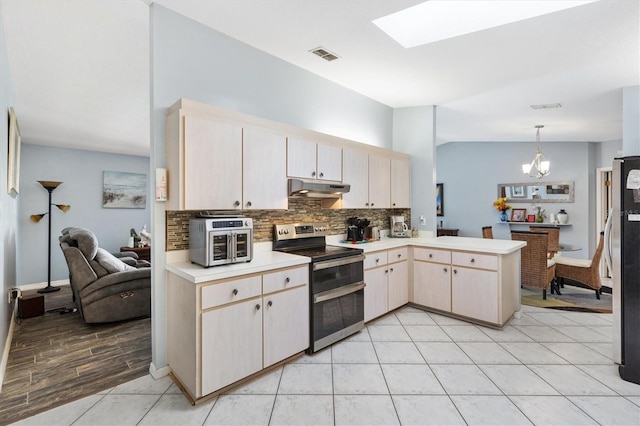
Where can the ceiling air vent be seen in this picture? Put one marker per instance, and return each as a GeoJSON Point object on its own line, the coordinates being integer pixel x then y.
{"type": "Point", "coordinates": [324, 54]}
{"type": "Point", "coordinates": [545, 106]}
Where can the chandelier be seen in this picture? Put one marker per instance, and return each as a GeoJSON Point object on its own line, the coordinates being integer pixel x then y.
{"type": "Point", "coordinates": [539, 167]}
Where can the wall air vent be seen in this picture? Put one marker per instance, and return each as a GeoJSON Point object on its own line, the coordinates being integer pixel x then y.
{"type": "Point", "coordinates": [324, 54]}
{"type": "Point", "coordinates": [545, 106]}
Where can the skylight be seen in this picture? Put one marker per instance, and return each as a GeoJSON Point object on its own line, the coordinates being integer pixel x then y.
{"type": "Point", "coordinates": [437, 20]}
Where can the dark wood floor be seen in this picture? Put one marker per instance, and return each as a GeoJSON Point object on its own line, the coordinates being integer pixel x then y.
{"type": "Point", "coordinates": [57, 358]}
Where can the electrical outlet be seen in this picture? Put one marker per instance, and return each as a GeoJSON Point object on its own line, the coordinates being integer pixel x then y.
{"type": "Point", "coordinates": [12, 294]}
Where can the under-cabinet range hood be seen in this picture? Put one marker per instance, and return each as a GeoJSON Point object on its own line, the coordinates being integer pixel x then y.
{"type": "Point", "coordinates": [316, 189]}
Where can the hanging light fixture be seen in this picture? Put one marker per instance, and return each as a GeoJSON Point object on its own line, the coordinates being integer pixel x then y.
{"type": "Point", "coordinates": [539, 167]}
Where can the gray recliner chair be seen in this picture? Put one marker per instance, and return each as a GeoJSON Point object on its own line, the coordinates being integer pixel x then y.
{"type": "Point", "coordinates": [105, 288]}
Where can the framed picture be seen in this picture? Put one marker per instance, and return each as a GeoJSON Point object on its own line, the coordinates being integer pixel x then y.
{"type": "Point", "coordinates": [440, 199]}
{"type": "Point", "coordinates": [531, 218]}
{"type": "Point", "coordinates": [518, 215]}
{"type": "Point", "coordinates": [517, 191]}
{"type": "Point", "coordinates": [123, 190]}
{"type": "Point", "coordinates": [13, 166]}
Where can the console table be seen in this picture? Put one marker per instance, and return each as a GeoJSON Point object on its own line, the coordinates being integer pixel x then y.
{"type": "Point", "coordinates": [448, 232]}
{"type": "Point", "coordinates": [144, 253]}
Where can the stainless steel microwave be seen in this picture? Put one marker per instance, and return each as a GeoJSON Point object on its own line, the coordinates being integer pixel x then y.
{"type": "Point", "coordinates": [220, 240]}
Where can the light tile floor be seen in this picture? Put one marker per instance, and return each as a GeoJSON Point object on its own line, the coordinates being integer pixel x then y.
{"type": "Point", "coordinates": [408, 367]}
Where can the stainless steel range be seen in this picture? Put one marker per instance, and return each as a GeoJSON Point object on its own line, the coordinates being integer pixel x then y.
{"type": "Point", "coordinates": [336, 280]}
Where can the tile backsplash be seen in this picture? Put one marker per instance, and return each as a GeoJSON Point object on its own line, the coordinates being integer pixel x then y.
{"type": "Point", "coordinates": [300, 210]}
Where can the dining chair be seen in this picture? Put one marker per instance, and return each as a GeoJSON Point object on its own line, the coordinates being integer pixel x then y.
{"type": "Point", "coordinates": [554, 238]}
{"type": "Point", "coordinates": [536, 269]}
{"type": "Point", "coordinates": [585, 271]}
{"type": "Point", "coordinates": [487, 232]}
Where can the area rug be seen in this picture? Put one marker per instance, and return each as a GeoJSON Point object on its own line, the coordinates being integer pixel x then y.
{"type": "Point", "coordinates": [573, 298]}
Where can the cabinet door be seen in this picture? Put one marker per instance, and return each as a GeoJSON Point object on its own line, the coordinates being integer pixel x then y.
{"type": "Point", "coordinates": [329, 162]}
{"type": "Point", "coordinates": [212, 164]}
{"type": "Point", "coordinates": [375, 293]}
{"type": "Point", "coordinates": [379, 182]}
{"type": "Point", "coordinates": [432, 285]}
{"type": "Point", "coordinates": [400, 183]}
{"type": "Point", "coordinates": [301, 158]}
{"type": "Point", "coordinates": [398, 285]}
{"type": "Point", "coordinates": [355, 172]}
{"type": "Point", "coordinates": [474, 293]}
{"type": "Point", "coordinates": [231, 344]}
{"type": "Point", "coordinates": [265, 171]}
{"type": "Point", "coordinates": [286, 324]}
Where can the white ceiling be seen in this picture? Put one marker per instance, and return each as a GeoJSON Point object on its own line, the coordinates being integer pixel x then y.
{"type": "Point", "coordinates": [80, 68]}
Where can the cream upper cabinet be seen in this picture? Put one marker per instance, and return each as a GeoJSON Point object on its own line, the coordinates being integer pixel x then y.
{"type": "Point", "coordinates": [309, 160]}
{"type": "Point", "coordinates": [264, 183]}
{"type": "Point", "coordinates": [400, 183]}
{"type": "Point", "coordinates": [379, 182]}
{"type": "Point", "coordinates": [211, 149]}
{"type": "Point", "coordinates": [355, 172]}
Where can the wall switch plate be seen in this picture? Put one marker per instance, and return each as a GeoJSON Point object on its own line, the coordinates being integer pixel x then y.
{"type": "Point", "coordinates": [423, 221]}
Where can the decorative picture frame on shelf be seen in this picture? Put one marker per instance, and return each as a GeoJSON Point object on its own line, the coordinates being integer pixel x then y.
{"type": "Point", "coordinates": [531, 218]}
{"type": "Point", "coordinates": [517, 191]}
{"type": "Point", "coordinates": [13, 166]}
{"type": "Point", "coordinates": [518, 215]}
{"type": "Point", "coordinates": [440, 199]}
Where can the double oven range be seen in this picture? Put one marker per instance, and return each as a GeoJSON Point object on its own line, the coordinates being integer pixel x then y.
{"type": "Point", "coordinates": [336, 281]}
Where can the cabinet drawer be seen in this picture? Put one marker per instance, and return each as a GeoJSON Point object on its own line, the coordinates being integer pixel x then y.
{"type": "Point", "coordinates": [372, 260]}
{"type": "Point", "coordinates": [287, 278]}
{"type": "Point", "coordinates": [397, 255]}
{"type": "Point", "coordinates": [231, 291]}
{"type": "Point", "coordinates": [475, 260]}
{"type": "Point", "coordinates": [432, 255]}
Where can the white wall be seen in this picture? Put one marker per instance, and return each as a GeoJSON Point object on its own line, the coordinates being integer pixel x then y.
{"type": "Point", "coordinates": [192, 61]}
{"type": "Point", "coordinates": [413, 134]}
{"type": "Point", "coordinates": [471, 172]}
{"type": "Point", "coordinates": [82, 175]}
{"type": "Point", "coordinates": [631, 120]}
{"type": "Point", "coordinates": [8, 205]}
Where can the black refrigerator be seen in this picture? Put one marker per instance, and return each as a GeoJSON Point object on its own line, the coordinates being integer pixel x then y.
{"type": "Point", "coordinates": [624, 250]}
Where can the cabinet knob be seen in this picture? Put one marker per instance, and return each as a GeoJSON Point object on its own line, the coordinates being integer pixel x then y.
{"type": "Point", "coordinates": [237, 203]}
{"type": "Point", "coordinates": [386, 271]}
{"type": "Point", "coordinates": [399, 255]}
{"type": "Point", "coordinates": [391, 269]}
{"type": "Point", "coordinates": [248, 203]}
{"type": "Point", "coordinates": [455, 271]}
{"type": "Point", "coordinates": [313, 174]}
{"type": "Point", "coordinates": [472, 260]}
{"type": "Point", "coordinates": [235, 292]}
{"type": "Point", "coordinates": [394, 204]}
{"type": "Point", "coordinates": [430, 255]}
{"type": "Point", "coordinates": [258, 307]}
{"type": "Point", "coordinates": [269, 303]}
{"type": "Point", "coordinates": [321, 174]}
{"type": "Point", "coordinates": [366, 204]}
{"type": "Point", "coordinates": [372, 204]}
{"type": "Point", "coordinates": [445, 269]}
{"type": "Point", "coordinates": [377, 260]}
{"type": "Point", "coordinates": [287, 280]}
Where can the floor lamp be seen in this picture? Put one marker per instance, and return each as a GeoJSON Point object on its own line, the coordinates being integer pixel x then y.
{"type": "Point", "coordinates": [49, 186]}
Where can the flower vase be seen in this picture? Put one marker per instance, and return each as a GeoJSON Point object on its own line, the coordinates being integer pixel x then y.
{"type": "Point", "coordinates": [504, 217]}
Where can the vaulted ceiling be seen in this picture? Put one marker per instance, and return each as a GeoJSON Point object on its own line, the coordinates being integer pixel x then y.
{"type": "Point", "coordinates": [81, 76]}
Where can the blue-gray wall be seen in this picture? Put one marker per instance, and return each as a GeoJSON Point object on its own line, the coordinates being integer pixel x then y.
{"type": "Point", "coordinates": [81, 173]}
{"type": "Point", "coordinates": [471, 172]}
{"type": "Point", "coordinates": [193, 61]}
{"type": "Point", "coordinates": [8, 205]}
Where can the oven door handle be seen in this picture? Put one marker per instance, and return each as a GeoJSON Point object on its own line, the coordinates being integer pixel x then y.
{"type": "Point", "coordinates": [338, 292]}
{"type": "Point", "coordinates": [338, 262]}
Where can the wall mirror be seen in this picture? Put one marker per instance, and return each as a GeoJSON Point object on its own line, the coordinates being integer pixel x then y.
{"type": "Point", "coordinates": [539, 192]}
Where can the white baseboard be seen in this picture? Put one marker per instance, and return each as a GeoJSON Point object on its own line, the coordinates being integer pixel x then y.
{"type": "Point", "coordinates": [157, 373]}
{"type": "Point", "coordinates": [37, 286]}
{"type": "Point", "coordinates": [7, 347]}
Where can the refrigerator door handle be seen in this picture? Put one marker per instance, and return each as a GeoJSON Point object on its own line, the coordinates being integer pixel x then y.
{"type": "Point", "coordinates": [607, 241]}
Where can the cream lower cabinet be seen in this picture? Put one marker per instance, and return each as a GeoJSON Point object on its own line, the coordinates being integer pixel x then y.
{"type": "Point", "coordinates": [477, 286]}
{"type": "Point", "coordinates": [220, 332]}
{"type": "Point", "coordinates": [386, 274]}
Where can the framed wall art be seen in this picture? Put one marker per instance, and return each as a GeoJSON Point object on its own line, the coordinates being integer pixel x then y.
{"type": "Point", "coordinates": [518, 215]}
{"type": "Point", "coordinates": [440, 199]}
{"type": "Point", "coordinates": [122, 190]}
{"type": "Point", "coordinates": [13, 166]}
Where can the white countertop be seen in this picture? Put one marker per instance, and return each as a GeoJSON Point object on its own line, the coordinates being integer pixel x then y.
{"type": "Point", "coordinates": [262, 261]}
{"type": "Point", "coordinates": [482, 245]}
{"type": "Point", "coordinates": [265, 260]}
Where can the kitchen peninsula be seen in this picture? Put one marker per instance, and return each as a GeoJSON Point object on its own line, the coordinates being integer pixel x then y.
{"type": "Point", "coordinates": [232, 322]}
